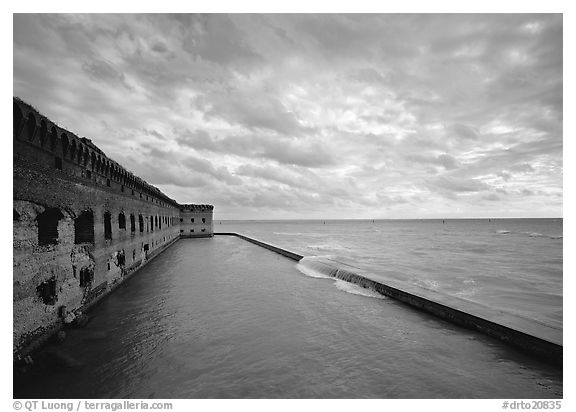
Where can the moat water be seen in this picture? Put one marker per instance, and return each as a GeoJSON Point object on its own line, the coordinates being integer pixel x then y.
{"type": "Point", "coordinates": [222, 318]}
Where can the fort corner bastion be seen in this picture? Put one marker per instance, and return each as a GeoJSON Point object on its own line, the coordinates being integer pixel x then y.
{"type": "Point", "coordinates": [82, 224]}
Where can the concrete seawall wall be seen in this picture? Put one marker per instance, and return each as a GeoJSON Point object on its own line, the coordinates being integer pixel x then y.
{"type": "Point", "coordinates": [540, 340]}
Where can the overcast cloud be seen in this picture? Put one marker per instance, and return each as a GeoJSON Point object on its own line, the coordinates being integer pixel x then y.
{"type": "Point", "coordinates": [313, 116]}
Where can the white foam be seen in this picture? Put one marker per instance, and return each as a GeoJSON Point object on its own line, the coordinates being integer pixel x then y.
{"type": "Point", "coordinates": [357, 290]}
{"type": "Point", "coordinates": [313, 273]}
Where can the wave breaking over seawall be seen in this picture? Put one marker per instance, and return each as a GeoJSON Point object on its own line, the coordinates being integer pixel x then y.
{"type": "Point", "coordinates": [316, 267]}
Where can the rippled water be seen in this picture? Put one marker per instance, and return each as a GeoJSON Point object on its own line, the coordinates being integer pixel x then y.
{"type": "Point", "coordinates": [222, 318]}
{"type": "Point", "coordinates": [510, 264]}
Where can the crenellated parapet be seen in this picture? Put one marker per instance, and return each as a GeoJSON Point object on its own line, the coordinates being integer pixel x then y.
{"type": "Point", "coordinates": [196, 208]}
{"type": "Point", "coordinates": [37, 137]}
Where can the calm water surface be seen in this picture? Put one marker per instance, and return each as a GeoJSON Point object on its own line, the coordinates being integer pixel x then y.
{"type": "Point", "coordinates": [222, 318]}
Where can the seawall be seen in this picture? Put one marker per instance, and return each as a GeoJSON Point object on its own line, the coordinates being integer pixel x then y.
{"type": "Point", "coordinates": [527, 335]}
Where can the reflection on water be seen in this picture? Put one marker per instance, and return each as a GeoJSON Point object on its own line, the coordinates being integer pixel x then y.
{"type": "Point", "coordinates": [222, 318]}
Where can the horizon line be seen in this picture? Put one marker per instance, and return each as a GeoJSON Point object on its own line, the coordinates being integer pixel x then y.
{"type": "Point", "coordinates": [398, 218]}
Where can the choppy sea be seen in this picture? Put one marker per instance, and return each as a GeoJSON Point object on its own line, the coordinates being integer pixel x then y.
{"type": "Point", "coordinates": [510, 264]}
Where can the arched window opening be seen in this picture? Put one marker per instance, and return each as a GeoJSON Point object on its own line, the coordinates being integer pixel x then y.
{"type": "Point", "coordinates": [141, 223]}
{"type": "Point", "coordinates": [43, 132]}
{"type": "Point", "coordinates": [31, 126]}
{"type": "Point", "coordinates": [48, 226]}
{"type": "Point", "coordinates": [17, 120]}
{"type": "Point", "coordinates": [86, 277]}
{"type": "Point", "coordinates": [192, 220]}
{"type": "Point", "coordinates": [121, 221]}
{"type": "Point", "coordinates": [84, 228]}
{"type": "Point", "coordinates": [73, 150]}
{"type": "Point", "coordinates": [203, 220]}
{"type": "Point", "coordinates": [151, 223]}
{"type": "Point", "coordinates": [47, 291]}
{"type": "Point", "coordinates": [64, 140]}
{"type": "Point", "coordinates": [132, 223]}
{"type": "Point", "coordinates": [53, 138]}
{"type": "Point", "coordinates": [107, 226]}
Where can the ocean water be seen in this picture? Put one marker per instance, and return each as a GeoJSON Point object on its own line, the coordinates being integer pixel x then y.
{"type": "Point", "coordinates": [223, 318]}
{"type": "Point", "coordinates": [514, 265]}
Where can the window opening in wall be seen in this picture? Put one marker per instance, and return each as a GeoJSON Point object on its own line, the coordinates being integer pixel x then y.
{"type": "Point", "coordinates": [191, 230]}
{"type": "Point", "coordinates": [43, 132]}
{"type": "Point", "coordinates": [134, 255]}
{"type": "Point", "coordinates": [132, 223]}
{"type": "Point", "coordinates": [151, 223]}
{"type": "Point", "coordinates": [53, 137]}
{"type": "Point", "coordinates": [181, 219]}
{"type": "Point", "coordinates": [140, 195]}
{"type": "Point", "coordinates": [108, 182]}
{"type": "Point", "coordinates": [31, 126]}
{"type": "Point", "coordinates": [17, 119]}
{"type": "Point", "coordinates": [48, 226]}
{"type": "Point", "coordinates": [107, 226]}
{"type": "Point", "coordinates": [192, 220]}
{"type": "Point", "coordinates": [86, 277]}
{"type": "Point", "coordinates": [203, 220]}
{"type": "Point", "coordinates": [47, 291]}
{"type": "Point", "coordinates": [58, 163]}
{"type": "Point", "coordinates": [121, 221]}
{"type": "Point", "coordinates": [122, 188]}
{"type": "Point", "coordinates": [146, 247]}
{"type": "Point", "coordinates": [88, 174]}
{"type": "Point", "coordinates": [121, 257]}
{"type": "Point", "coordinates": [84, 228]}
{"type": "Point", "coordinates": [203, 230]}
{"type": "Point", "coordinates": [141, 223]}
{"type": "Point", "coordinates": [181, 231]}
{"type": "Point", "coordinates": [132, 192]}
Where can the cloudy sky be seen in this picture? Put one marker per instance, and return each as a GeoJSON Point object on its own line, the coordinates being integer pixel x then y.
{"type": "Point", "coordinates": [313, 116]}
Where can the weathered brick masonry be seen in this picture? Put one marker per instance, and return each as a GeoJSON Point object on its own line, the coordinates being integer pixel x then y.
{"type": "Point", "coordinates": [81, 224]}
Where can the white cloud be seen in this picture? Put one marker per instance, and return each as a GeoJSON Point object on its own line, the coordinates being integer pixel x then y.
{"type": "Point", "coordinates": [304, 115]}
